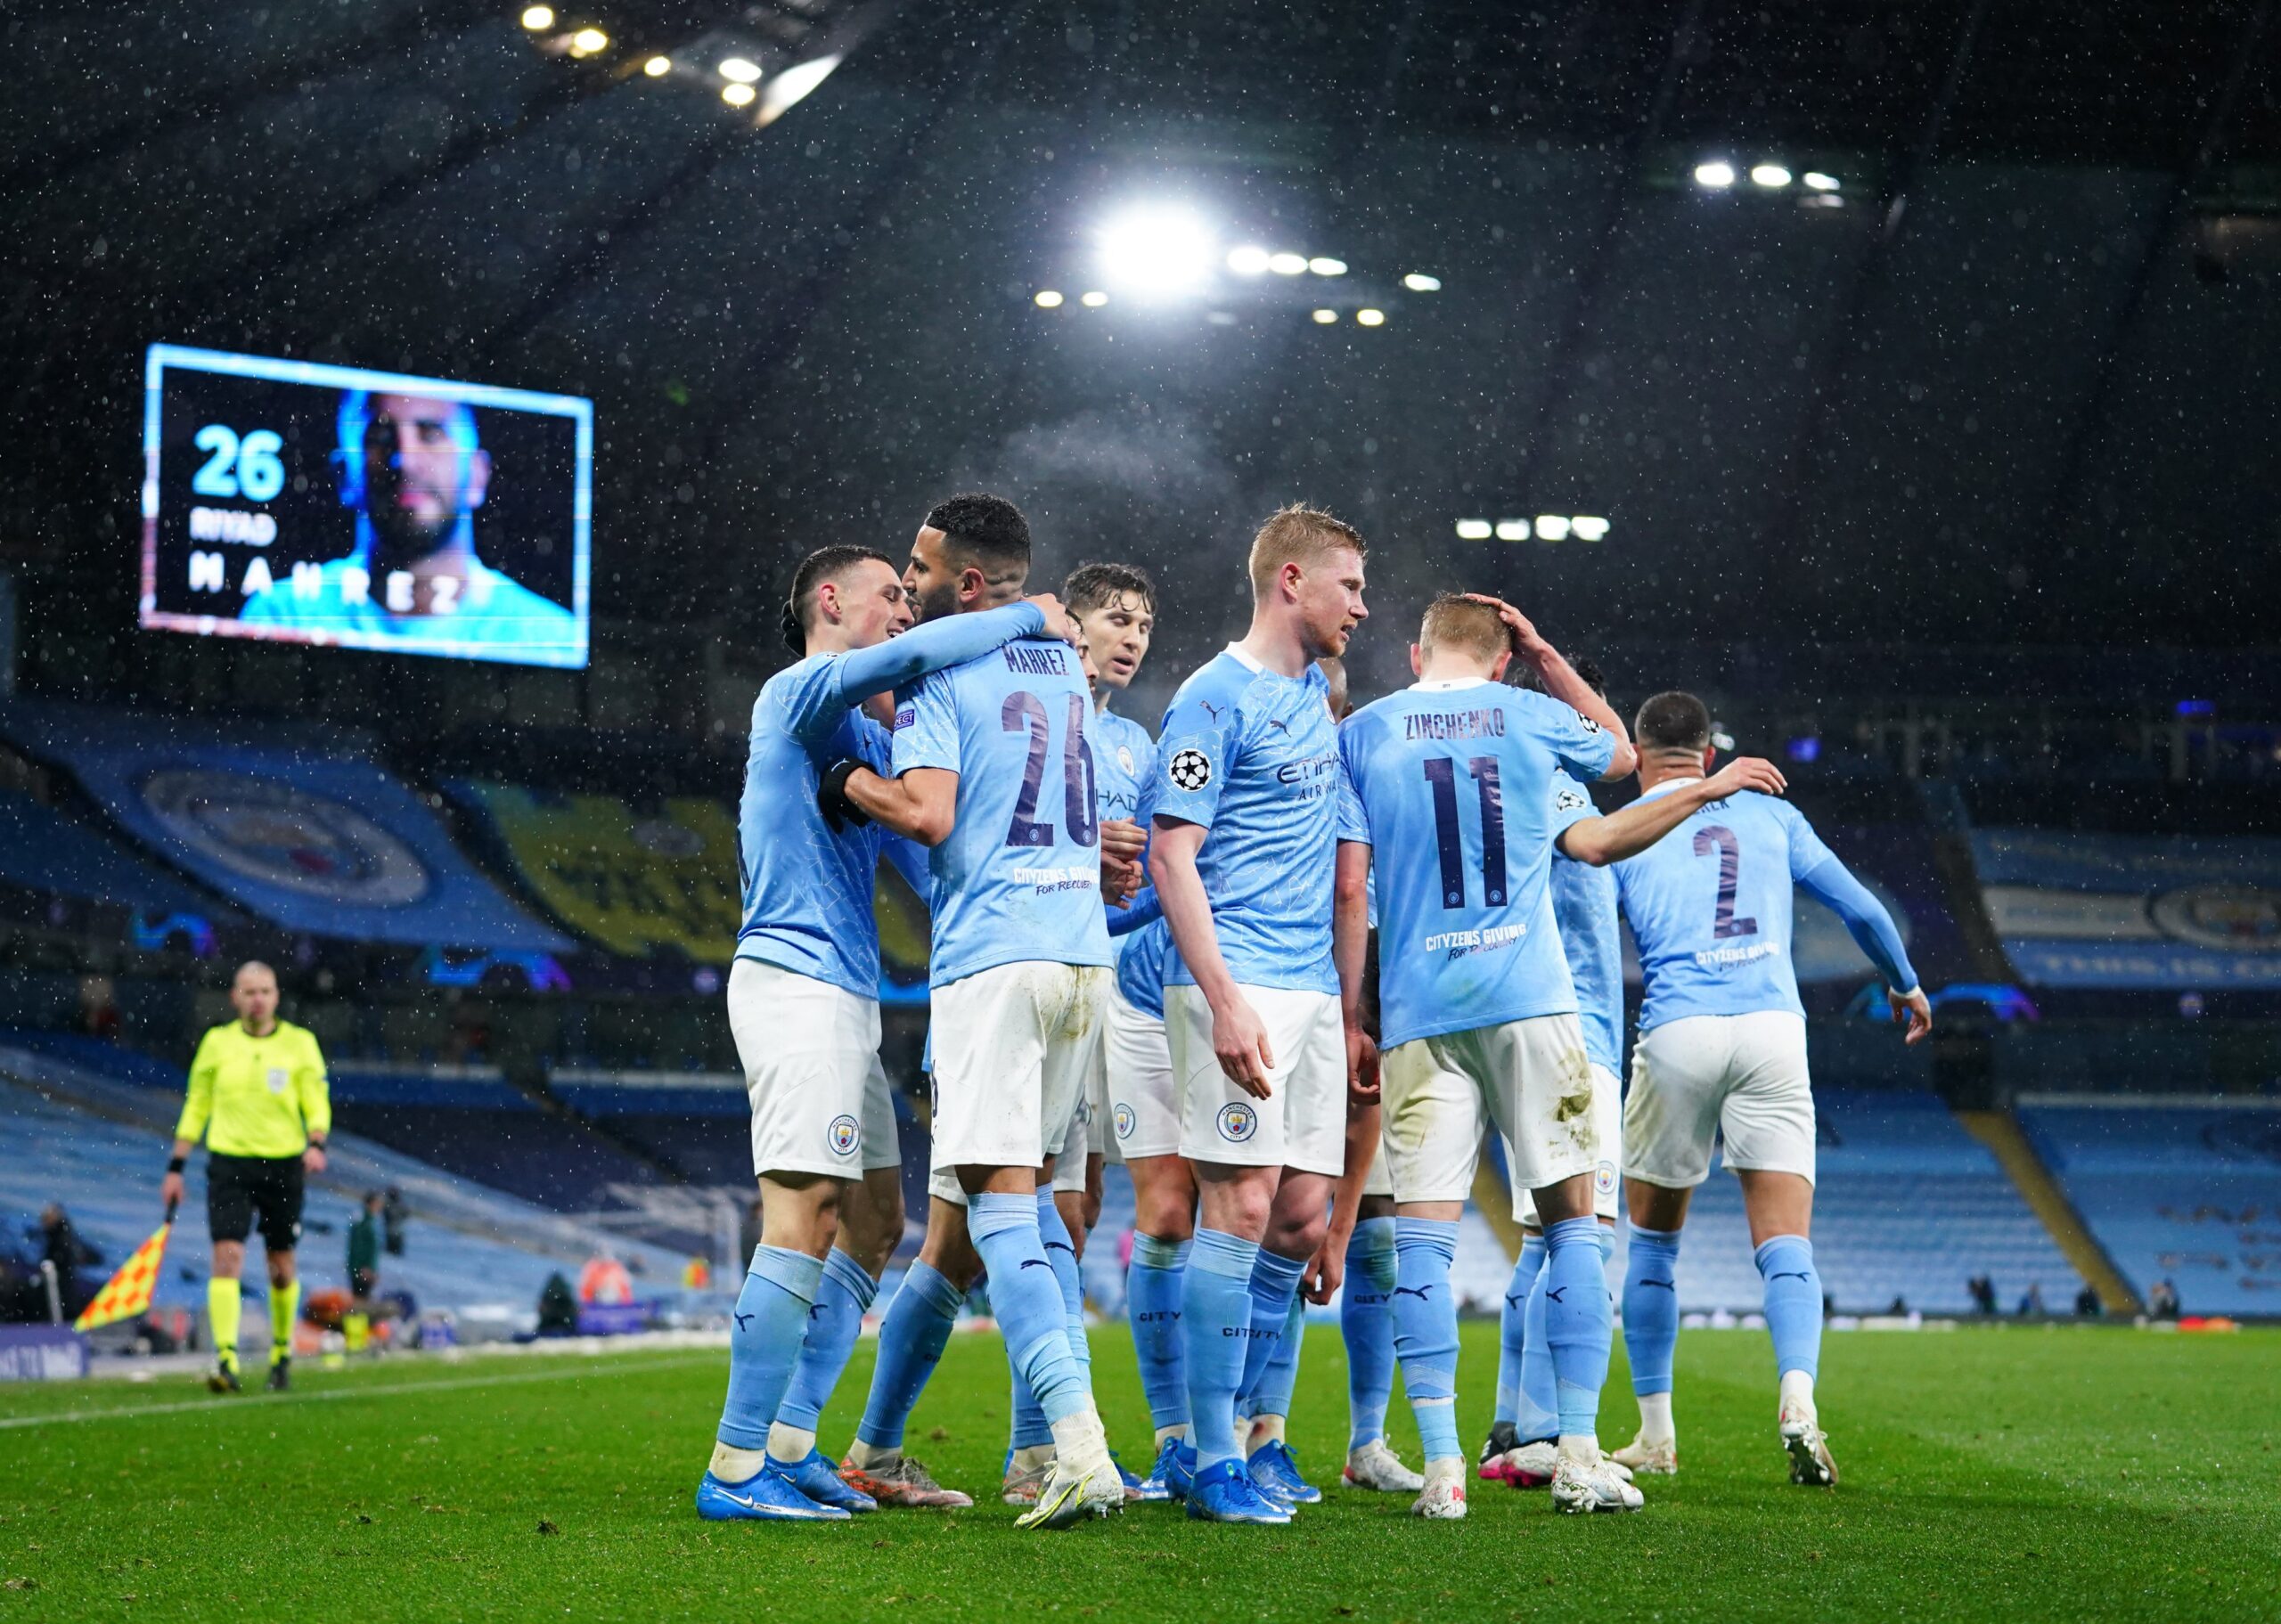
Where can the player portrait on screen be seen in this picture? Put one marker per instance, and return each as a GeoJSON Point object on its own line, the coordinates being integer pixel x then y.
{"type": "Point", "coordinates": [414, 470]}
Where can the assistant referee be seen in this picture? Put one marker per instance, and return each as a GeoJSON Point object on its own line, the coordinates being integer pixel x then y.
{"type": "Point", "coordinates": [258, 1097]}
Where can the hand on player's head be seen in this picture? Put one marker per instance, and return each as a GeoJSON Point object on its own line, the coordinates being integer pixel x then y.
{"type": "Point", "coordinates": [1749, 772]}
{"type": "Point", "coordinates": [1521, 628]}
{"type": "Point", "coordinates": [1058, 622]}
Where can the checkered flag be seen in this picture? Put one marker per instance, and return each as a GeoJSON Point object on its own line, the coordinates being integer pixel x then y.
{"type": "Point", "coordinates": [128, 1292]}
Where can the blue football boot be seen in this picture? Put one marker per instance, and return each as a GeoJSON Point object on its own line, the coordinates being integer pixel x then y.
{"type": "Point", "coordinates": [1277, 1475]}
{"type": "Point", "coordinates": [1157, 1485]}
{"type": "Point", "coordinates": [1224, 1492]}
{"type": "Point", "coordinates": [765, 1497]}
{"type": "Point", "coordinates": [814, 1478]}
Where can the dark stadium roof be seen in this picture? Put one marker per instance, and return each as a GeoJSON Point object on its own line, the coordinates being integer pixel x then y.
{"type": "Point", "coordinates": [2015, 383]}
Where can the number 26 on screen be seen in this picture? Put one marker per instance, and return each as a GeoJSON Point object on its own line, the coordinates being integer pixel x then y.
{"type": "Point", "coordinates": [249, 468]}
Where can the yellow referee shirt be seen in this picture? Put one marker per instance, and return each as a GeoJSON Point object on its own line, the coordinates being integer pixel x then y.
{"type": "Point", "coordinates": [257, 1096]}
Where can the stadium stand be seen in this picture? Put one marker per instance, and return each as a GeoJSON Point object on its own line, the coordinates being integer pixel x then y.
{"type": "Point", "coordinates": [2187, 1191]}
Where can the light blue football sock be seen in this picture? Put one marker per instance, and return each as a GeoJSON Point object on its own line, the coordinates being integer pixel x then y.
{"type": "Point", "coordinates": [1366, 1322]}
{"type": "Point", "coordinates": [1426, 1329]}
{"type": "Point", "coordinates": [1793, 1303]}
{"type": "Point", "coordinates": [1061, 1252]}
{"type": "Point", "coordinates": [911, 1338]}
{"type": "Point", "coordinates": [1152, 1305]}
{"type": "Point", "coordinates": [1272, 1395]}
{"type": "Point", "coordinates": [769, 1323]}
{"type": "Point", "coordinates": [1512, 1326]}
{"type": "Point", "coordinates": [1538, 1420]}
{"type": "Point", "coordinates": [1651, 1308]}
{"type": "Point", "coordinates": [834, 1323]}
{"type": "Point", "coordinates": [1215, 1329]}
{"type": "Point", "coordinates": [1027, 1299]}
{"type": "Point", "coordinates": [1578, 1325]}
{"type": "Point", "coordinates": [1274, 1282]}
{"type": "Point", "coordinates": [1030, 1429]}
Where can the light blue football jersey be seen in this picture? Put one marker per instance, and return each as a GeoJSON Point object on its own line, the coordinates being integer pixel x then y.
{"type": "Point", "coordinates": [1140, 967]}
{"type": "Point", "coordinates": [1125, 764]}
{"type": "Point", "coordinates": [1450, 784]}
{"type": "Point", "coordinates": [1710, 908]}
{"type": "Point", "coordinates": [1252, 756]}
{"type": "Point", "coordinates": [1019, 875]}
{"type": "Point", "coordinates": [807, 891]}
{"type": "Point", "coordinates": [1585, 905]}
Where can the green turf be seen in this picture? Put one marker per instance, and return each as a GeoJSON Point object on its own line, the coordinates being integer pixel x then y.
{"type": "Point", "coordinates": [1988, 1473]}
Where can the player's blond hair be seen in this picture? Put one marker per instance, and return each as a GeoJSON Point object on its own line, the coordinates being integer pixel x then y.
{"type": "Point", "coordinates": [1298, 535]}
{"type": "Point", "coordinates": [1461, 624]}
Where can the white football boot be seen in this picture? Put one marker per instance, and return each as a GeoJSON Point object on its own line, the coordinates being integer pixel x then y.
{"type": "Point", "coordinates": [1376, 1466]}
{"type": "Point", "coordinates": [1443, 1498]}
{"type": "Point", "coordinates": [1808, 1447]}
{"type": "Point", "coordinates": [1591, 1483]}
{"type": "Point", "coordinates": [1649, 1457]}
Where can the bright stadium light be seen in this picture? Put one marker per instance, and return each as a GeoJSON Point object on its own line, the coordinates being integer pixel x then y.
{"type": "Point", "coordinates": [1551, 528]}
{"type": "Point", "coordinates": [1249, 260]}
{"type": "Point", "coordinates": [1417, 281]}
{"type": "Point", "coordinates": [1586, 527]}
{"type": "Point", "coordinates": [1370, 318]}
{"type": "Point", "coordinates": [1715, 174]}
{"type": "Point", "coordinates": [793, 85]}
{"type": "Point", "coordinates": [738, 95]}
{"type": "Point", "coordinates": [1047, 299]}
{"type": "Point", "coordinates": [657, 67]}
{"type": "Point", "coordinates": [588, 41]}
{"type": "Point", "coordinates": [538, 17]}
{"type": "Point", "coordinates": [1772, 177]}
{"type": "Point", "coordinates": [1325, 317]}
{"type": "Point", "coordinates": [1093, 301]}
{"type": "Point", "coordinates": [1512, 530]}
{"type": "Point", "coordinates": [1475, 529]}
{"type": "Point", "coordinates": [1286, 264]}
{"type": "Point", "coordinates": [740, 72]}
{"type": "Point", "coordinates": [1324, 265]}
{"type": "Point", "coordinates": [1157, 252]}
{"type": "Point", "coordinates": [1818, 182]}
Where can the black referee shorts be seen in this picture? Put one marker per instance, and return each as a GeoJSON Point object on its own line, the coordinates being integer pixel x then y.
{"type": "Point", "coordinates": [239, 1187]}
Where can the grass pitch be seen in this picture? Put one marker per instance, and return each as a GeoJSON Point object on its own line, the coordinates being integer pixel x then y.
{"type": "Point", "coordinates": [1994, 1473]}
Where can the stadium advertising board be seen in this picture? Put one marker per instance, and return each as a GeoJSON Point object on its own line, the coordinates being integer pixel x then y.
{"type": "Point", "coordinates": [305, 503]}
{"type": "Point", "coordinates": [2153, 912]}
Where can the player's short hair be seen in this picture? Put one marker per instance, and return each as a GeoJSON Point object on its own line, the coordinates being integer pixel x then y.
{"type": "Point", "coordinates": [824, 564]}
{"type": "Point", "coordinates": [1092, 586]}
{"type": "Point", "coordinates": [251, 964]}
{"type": "Point", "coordinates": [1452, 622]}
{"type": "Point", "coordinates": [1673, 722]}
{"type": "Point", "coordinates": [983, 532]}
{"type": "Point", "coordinates": [1298, 535]}
{"type": "Point", "coordinates": [1526, 675]}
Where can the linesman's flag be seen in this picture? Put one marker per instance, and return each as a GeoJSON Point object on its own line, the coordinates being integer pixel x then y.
{"type": "Point", "coordinates": [128, 1292]}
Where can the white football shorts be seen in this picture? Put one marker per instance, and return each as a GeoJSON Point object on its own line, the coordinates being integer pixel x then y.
{"type": "Point", "coordinates": [1607, 1127]}
{"type": "Point", "coordinates": [1144, 1106]}
{"type": "Point", "coordinates": [1529, 1079]}
{"type": "Point", "coordinates": [1741, 1075]}
{"type": "Point", "coordinates": [810, 1053]}
{"type": "Point", "coordinates": [1302, 1124]}
{"type": "Point", "coordinates": [1014, 1046]}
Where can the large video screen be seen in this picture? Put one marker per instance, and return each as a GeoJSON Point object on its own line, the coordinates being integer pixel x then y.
{"type": "Point", "coordinates": [326, 504]}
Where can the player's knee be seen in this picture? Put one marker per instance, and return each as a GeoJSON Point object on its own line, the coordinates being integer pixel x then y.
{"type": "Point", "coordinates": [1295, 1234]}
{"type": "Point", "coordinates": [1167, 1214]}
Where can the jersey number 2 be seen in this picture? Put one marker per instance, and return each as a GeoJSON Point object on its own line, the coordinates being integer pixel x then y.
{"type": "Point", "coordinates": [1442, 776]}
{"type": "Point", "coordinates": [1721, 839]}
{"type": "Point", "coordinates": [1026, 712]}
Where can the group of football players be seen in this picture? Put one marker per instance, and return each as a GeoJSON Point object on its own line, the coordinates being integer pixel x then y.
{"type": "Point", "coordinates": [1290, 966]}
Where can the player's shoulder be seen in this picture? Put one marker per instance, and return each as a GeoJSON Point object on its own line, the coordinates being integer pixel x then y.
{"type": "Point", "coordinates": [1122, 730]}
{"type": "Point", "coordinates": [1211, 694]}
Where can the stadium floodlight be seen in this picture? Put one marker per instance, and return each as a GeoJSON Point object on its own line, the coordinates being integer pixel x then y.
{"type": "Point", "coordinates": [1326, 316]}
{"type": "Point", "coordinates": [1369, 317]}
{"type": "Point", "coordinates": [1588, 528]}
{"type": "Point", "coordinates": [1158, 252]}
{"type": "Point", "coordinates": [1286, 264]}
{"type": "Point", "coordinates": [793, 85]}
{"type": "Point", "coordinates": [588, 42]}
{"type": "Point", "coordinates": [1715, 174]}
{"type": "Point", "coordinates": [1047, 299]}
{"type": "Point", "coordinates": [538, 19]}
{"type": "Point", "coordinates": [1512, 530]}
{"type": "Point", "coordinates": [738, 71]}
{"type": "Point", "coordinates": [1322, 264]}
{"type": "Point", "coordinates": [1818, 182]}
{"type": "Point", "coordinates": [739, 96]}
{"type": "Point", "coordinates": [657, 67]}
{"type": "Point", "coordinates": [1551, 527]}
{"type": "Point", "coordinates": [1772, 177]}
{"type": "Point", "coordinates": [1093, 300]}
{"type": "Point", "coordinates": [1249, 260]}
{"type": "Point", "coordinates": [1475, 529]}
{"type": "Point", "coordinates": [1417, 281]}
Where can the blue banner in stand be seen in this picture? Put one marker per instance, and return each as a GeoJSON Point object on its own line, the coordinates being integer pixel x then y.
{"type": "Point", "coordinates": [319, 843]}
{"type": "Point", "coordinates": [42, 1354]}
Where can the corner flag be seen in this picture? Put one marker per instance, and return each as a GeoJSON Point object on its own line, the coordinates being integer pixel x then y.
{"type": "Point", "coordinates": [128, 1292]}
